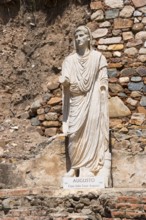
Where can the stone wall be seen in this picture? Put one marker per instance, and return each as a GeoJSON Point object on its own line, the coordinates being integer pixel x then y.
{"type": "Point", "coordinates": [119, 32]}
{"type": "Point", "coordinates": [46, 112]}
{"type": "Point", "coordinates": [118, 29]}
{"type": "Point", "coordinates": [51, 204]}
{"type": "Point", "coordinates": [33, 68]}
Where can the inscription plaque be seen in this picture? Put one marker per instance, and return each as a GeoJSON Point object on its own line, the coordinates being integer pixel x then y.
{"type": "Point", "coordinates": [83, 182]}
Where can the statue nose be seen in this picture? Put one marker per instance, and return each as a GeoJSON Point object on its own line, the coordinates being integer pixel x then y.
{"type": "Point", "coordinates": [78, 38]}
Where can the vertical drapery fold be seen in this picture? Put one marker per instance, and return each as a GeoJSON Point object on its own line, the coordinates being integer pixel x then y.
{"type": "Point", "coordinates": [85, 111]}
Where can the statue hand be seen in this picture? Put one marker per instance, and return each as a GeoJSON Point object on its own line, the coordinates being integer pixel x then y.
{"type": "Point", "coordinates": [64, 81]}
{"type": "Point", "coordinates": [103, 89]}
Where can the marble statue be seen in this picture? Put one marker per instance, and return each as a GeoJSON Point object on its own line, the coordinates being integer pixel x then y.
{"type": "Point", "coordinates": [85, 108]}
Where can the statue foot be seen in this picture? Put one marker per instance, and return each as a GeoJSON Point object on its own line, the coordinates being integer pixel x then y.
{"type": "Point", "coordinates": [90, 174]}
{"type": "Point", "coordinates": [70, 173]}
{"type": "Point", "coordinates": [85, 172]}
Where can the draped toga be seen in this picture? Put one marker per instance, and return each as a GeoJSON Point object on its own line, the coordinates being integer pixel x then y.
{"type": "Point", "coordinates": [85, 109]}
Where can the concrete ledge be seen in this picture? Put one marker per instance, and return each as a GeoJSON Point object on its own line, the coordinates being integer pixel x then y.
{"type": "Point", "coordinates": [58, 192]}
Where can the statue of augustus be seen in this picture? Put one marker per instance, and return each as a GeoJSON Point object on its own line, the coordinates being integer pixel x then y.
{"type": "Point", "coordinates": [85, 108]}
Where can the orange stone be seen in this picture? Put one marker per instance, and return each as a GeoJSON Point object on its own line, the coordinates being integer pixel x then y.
{"type": "Point", "coordinates": [116, 47]}
{"type": "Point", "coordinates": [41, 117]}
{"type": "Point", "coordinates": [144, 80]}
{"type": "Point", "coordinates": [51, 124]}
{"type": "Point", "coordinates": [54, 101]}
{"type": "Point", "coordinates": [115, 65]}
{"type": "Point", "coordinates": [139, 3]}
{"type": "Point", "coordinates": [96, 5]}
{"type": "Point", "coordinates": [120, 23]}
{"type": "Point", "coordinates": [141, 110]}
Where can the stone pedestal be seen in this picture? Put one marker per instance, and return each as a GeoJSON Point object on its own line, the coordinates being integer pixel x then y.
{"type": "Point", "coordinates": [50, 164]}
{"type": "Point", "coordinates": [128, 169]}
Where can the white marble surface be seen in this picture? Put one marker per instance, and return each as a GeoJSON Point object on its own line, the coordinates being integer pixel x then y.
{"type": "Point", "coordinates": [83, 182]}
{"type": "Point", "coordinates": [85, 108]}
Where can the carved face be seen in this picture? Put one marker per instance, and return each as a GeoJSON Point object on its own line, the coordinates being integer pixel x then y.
{"type": "Point", "coordinates": [82, 39]}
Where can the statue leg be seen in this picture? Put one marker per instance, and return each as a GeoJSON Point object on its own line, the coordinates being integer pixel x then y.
{"type": "Point", "coordinates": [85, 172]}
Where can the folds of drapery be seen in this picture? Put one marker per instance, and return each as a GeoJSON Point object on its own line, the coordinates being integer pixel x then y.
{"type": "Point", "coordinates": [85, 110]}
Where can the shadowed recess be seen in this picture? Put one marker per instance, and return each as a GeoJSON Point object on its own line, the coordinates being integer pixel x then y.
{"type": "Point", "coordinates": [53, 8]}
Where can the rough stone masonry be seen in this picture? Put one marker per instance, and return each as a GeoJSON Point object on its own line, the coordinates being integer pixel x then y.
{"type": "Point", "coordinates": [119, 32]}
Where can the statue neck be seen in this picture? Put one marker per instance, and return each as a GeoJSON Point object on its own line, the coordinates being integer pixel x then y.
{"type": "Point", "coordinates": [83, 51]}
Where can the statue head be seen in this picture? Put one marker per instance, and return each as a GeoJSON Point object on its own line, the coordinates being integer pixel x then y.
{"type": "Point", "coordinates": [82, 35]}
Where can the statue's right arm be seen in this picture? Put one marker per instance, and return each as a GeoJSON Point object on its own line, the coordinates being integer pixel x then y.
{"type": "Point", "coordinates": [64, 81]}
{"type": "Point", "coordinates": [64, 78]}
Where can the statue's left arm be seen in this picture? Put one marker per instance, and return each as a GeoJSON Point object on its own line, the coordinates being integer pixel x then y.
{"type": "Point", "coordinates": [103, 80]}
{"type": "Point", "coordinates": [64, 80]}
{"type": "Point", "coordinates": [102, 75]}
{"type": "Point", "coordinates": [103, 90]}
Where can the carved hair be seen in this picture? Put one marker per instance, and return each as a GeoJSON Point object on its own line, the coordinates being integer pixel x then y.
{"type": "Point", "coordinates": [83, 28]}
{"type": "Point", "coordinates": [87, 31]}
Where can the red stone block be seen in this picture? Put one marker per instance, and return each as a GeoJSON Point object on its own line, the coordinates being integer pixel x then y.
{"type": "Point", "coordinates": [19, 192]}
{"type": "Point", "coordinates": [118, 214]}
{"type": "Point", "coordinates": [14, 192]}
{"type": "Point", "coordinates": [135, 215]}
{"type": "Point", "coordinates": [136, 206]}
{"type": "Point", "coordinates": [129, 206]}
{"type": "Point", "coordinates": [130, 199]}
{"type": "Point", "coordinates": [113, 80]}
{"type": "Point", "coordinates": [123, 206]}
{"type": "Point", "coordinates": [9, 218]}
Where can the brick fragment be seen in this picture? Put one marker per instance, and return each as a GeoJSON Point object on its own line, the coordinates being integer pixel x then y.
{"type": "Point", "coordinates": [10, 218]}
{"type": "Point", "coordinates": [130, 199]}
{"type": "Point", "coordinates": [135, 215]}
{"type": "Point", "coordinates": [136, 206]}
{"type": "Point", "coordinates": [122, 206]}
{"type": "Point", "coordinates": [14, 192]}
{"type": "Point", "coordinates": [118, 214]}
